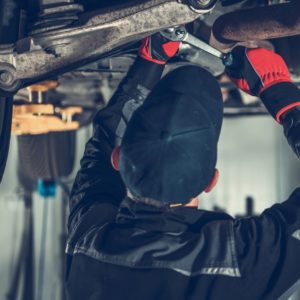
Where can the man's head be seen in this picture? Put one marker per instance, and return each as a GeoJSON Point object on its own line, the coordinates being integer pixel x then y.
{"type": "Point", "coordinates": [169, 150]}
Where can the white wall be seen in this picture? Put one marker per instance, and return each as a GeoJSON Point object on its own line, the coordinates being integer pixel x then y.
{"type": "Point", "coordinates": [254, 160]}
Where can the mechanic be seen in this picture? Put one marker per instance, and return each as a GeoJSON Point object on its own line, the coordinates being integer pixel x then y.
{"type": "Point", "coordinates": [149, 240]}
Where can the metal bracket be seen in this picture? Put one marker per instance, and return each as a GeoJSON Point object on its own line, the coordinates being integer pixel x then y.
{"type": "Point", "coordinates": [8, 78]}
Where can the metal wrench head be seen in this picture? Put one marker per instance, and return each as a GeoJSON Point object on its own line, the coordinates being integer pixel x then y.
{"type": "Point", "coordinates": [175, 34]}
{"type": "Point", "coordinates": [194, 41]}
{"type": "Point", "coordinates": [180, 34]}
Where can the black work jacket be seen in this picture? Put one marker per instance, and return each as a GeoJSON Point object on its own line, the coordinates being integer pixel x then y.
{"type": "Point", "coordinates": [121, 250]}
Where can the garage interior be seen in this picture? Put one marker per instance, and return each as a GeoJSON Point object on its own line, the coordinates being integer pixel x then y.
{"type": "Point", "coordinates": [257, 167]}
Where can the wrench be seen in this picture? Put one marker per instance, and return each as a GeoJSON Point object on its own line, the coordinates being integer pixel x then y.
{"type": "Point", "coordinates": [180, 34]}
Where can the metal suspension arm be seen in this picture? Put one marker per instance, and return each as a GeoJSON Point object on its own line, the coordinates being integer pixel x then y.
{"type": "Point", "coordinates": [49, 54]}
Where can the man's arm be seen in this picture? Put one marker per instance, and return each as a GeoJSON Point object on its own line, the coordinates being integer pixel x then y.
{"type": "Point", "coordinates": [268, 247]}
{"type": "Point", "coordinates": [263, 73]}
{"type": "Point", "coordinates": [268, 250]}
{"type": "Point", "coordinates": [97, 182]}
{"type": "Point", "coordinates": [98, 188]}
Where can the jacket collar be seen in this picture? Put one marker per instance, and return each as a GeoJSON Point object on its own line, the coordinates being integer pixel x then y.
{"type": "Point", "coordinates": [164, 219]}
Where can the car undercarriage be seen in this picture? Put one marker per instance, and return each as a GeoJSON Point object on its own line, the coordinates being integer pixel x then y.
{"type": "Point", "coordinates": [62, 60]}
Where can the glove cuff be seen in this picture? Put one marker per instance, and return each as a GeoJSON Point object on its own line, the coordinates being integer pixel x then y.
{"type": "Point", "coordinates": [158, 49]}
{"type": "Point", "coordinates": [145, 52]}
{"type": "Point", "coordinates": [280, 98]}
{"type": "Point", "coordinates": [147, 57]}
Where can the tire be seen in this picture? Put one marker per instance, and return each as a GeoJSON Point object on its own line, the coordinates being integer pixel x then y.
{"type": "Point", "coordinates": [47, 156]}
{"type": "Point", "coordinates": [6, 105]}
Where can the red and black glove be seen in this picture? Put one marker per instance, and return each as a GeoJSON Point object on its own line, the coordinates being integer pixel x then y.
{"type": "Point", "coordinates": [261, 72]}
{"type": "Point", "coordinates": [158, 49]}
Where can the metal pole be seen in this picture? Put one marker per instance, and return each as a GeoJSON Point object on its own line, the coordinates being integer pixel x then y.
{"type": "Point", "coordinates": [28, 288]}
{"type": "Point", "coordinates": [6, 105]}
{"type": "Point", "coordinates": [16, 279]}
{"type": "Point", "coordinates": [42, 254]}
{"type": "Point", "coordinates": [63, 237]}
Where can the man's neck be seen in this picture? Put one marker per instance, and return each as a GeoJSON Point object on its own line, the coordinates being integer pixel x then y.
{"type": "Point", "coordinates": [194, 203]}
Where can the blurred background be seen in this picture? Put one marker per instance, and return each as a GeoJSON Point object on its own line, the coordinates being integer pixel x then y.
{"type": "Point", "coordinates": [257, 170]}
{"type": "Point", "coordinates": [50, 123]}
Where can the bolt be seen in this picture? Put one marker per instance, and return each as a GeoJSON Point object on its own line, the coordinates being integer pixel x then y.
{"type": "Point", "coordinates": [5, 77]}
{"type": "Point", "coordinates": [204, 2]}
{"type": "Point", "coordinates": [8, 80]}
{"type": "Point", "coordinates": [201, 4]}
{"type": "Point", "coordinates": [180, 32]}
{"type": "Point", "coordinates": [170, 29]}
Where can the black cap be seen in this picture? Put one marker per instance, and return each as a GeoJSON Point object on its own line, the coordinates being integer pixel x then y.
{"type": "Point", "coordinates": [169, 149]}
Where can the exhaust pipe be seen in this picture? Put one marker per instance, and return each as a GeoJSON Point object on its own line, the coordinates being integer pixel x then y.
{"type": "Point", "coordinates": [256, 24]}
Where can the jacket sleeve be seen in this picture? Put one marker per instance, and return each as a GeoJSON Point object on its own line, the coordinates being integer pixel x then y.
{"type": "Point", "coordinates": [268, 249]}
{"type": "Point", "coordinates": [98, 188]}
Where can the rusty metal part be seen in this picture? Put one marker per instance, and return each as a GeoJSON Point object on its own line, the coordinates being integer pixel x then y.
{"type": "Point", "coordinates": [41, 119]}
{"type": "Point", "coordinates": [8, 80]}
{"type": "Point", "coordinates": [259, 23]}
{"type": "Point", "coordinates": [56, 16]}
{"type": "Point", "coordinates": [53, 53]}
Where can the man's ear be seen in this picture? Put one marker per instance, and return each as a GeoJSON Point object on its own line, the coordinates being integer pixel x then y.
{"type": "Point", "coordinates": [115, 158]}
{"type": "Point", "coordinates": [213, 181]}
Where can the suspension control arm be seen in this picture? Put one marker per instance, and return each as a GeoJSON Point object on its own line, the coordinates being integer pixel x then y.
{"type": "Point", "coordinates": [42, 56]}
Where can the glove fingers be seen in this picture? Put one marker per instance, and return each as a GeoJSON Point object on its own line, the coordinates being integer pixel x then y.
{"type": "Point", "coordinates": [254, 80]}
{"type": "Point", "coordinates": [235, 71]}
{"type": "Point", "coordinates": [250, 81]}
{"type": "Point", "coordinates": [171, 48]}
{"type": "Point", "coordinates": [149, 53]}
{"type": "Point", "coordinates": [242, 84]}
{"type": "Point", "coordinates": [158, 49]}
